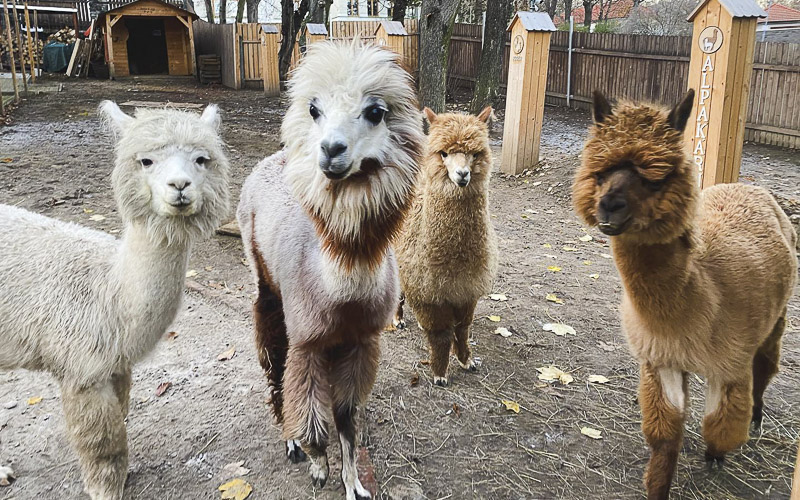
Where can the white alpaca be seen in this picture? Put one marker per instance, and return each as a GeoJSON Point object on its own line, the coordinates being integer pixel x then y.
{"type": "Point", "coordinates": [316, 222]}
{"type": "Point", "coordinates": [86, 306]}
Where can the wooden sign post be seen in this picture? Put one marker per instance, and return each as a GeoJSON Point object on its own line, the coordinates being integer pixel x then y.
{"type": "Point", "coordinates": [723, 41]}
{"type": "Point", "coordinates": [315, 33]}
{"type": "Point", "coordinates": [270, 38]}
{"type": "Point", "coordinates": [527, 80]}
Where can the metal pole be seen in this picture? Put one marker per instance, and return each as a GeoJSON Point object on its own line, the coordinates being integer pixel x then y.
{"type": "Point", "coordinates": [569, 59]}
{"type": "Point", "coordinates": [36, 38]}
{"type": "Point", "coordinates": [11, 52]}
{"type": "Point", "coordinates": [19, 49]}
{"type": "Point", "coordinates": [30, 42]}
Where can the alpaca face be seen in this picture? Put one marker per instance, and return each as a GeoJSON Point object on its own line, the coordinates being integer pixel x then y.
{"type": "Point", "coordinates": [460, 144]}
{"type": "Point", "coordinates": [171, 172]}
{"type": "Point", "coordinates": [635, 178]}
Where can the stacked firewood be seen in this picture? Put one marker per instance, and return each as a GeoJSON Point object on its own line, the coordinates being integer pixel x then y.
{"type": "Point", "coordinates": [64, 35]}
{"type": "Point", "coordinates": [38, 48]}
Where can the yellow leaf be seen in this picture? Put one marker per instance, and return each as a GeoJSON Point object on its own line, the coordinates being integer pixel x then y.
{"type": "Point", "coordinates": [553, 374]}
{"type": "Point", "coordinates": [553, 298]}
{"type": "Point", "coordinates": [503, 332]}
{"type": "Point", "coordinates": [587, 262]}
{"type": "Point", "coordinates": [34, 400]}
{"type": "Point", "coordinates": [597, 379]}
{"type": "Point", "coordinates": [511, 405]}
{"type": "Point", "coordinates": [97, 217]}
{"type": "Point", "coordinates": [191, 273]}
{"type": "Point", "coordinates": [592, 433]}
{"type": "Point", "coordinates": [6, 160]}
{"type": "Point", "coordinates": [494, 319]}
{"type": "Point", "coordinates": [547, 245]}
{"type": "Point", "coordinates": [559, 329]}
{"type": "Point", "coordinates": [554, 269]}
{"type": "Point", "coordinates": [594, 276]}
{"type": "Point", "coordinates": [236, 489]}
{"type": "Point", "coordinates": [498, 297]}
{"type": "Point", "coordinates": [88, 211]}
{"type": "Point", "coordinates": [585, 238]}
{"type": "Point", "coordinates": [568, 248]}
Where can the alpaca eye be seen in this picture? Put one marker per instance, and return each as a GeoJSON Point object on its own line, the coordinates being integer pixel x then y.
{"type": "Point", "coordinates": [201, 160]}
{"type": "Point", "coordinates": [313, 111]}
{"type": "Point", "coordinates": [146, 162]}
{"type": "Point", "coordinates": [599, 179]}
{"type": "Point", "coordinates": [374, 114]}
{"type": "Point", "coordinates": [443, 153]}
{"type": "Point", "coordinates": [653, 185]}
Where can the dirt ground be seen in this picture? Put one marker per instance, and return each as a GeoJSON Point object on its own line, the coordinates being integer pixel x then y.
{"type": "Point", "coordinates": [424, 441]}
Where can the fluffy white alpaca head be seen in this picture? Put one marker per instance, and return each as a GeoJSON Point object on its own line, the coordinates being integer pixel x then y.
{"type": "Point", "coordinates": [171, 172]}
{"type": "Point", "coordinates": [353, 133]}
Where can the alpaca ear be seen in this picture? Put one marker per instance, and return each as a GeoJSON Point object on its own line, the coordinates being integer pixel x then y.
{"type": "Point", "coordinates": [430, 114]}
{"type": "Point", "coordinates": [211, 116]}
{"type": "Point", "coordinates": [679, 115]}
{"type": "Point", "coordinates": [114, 116]}
{"type": "Point", "coordinates": [486, 114]}
{"type": "Point", "coordinates": [600, 107]}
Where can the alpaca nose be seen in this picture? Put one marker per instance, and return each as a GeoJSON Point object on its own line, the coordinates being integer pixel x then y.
{"type": "Point", "coordinates": [612, 204]}
{"type": "Point", "coordinates": [180, 184]}
{"type": "Point", "coordinates": [333, 149]}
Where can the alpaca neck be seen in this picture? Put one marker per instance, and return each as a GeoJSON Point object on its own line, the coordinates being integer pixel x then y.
{"type": "Point", "coordinates": [151, 279]}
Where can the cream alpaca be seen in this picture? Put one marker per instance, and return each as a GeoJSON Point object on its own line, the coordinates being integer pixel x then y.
{"type": "Point", "coordinates": [447, 249]}
{"type": "Point", "coordinates": [316, 222]}
{"type": "Point", "coordinates": [707, 277]}
{"type": "Point", "coordinates": [104, 303]}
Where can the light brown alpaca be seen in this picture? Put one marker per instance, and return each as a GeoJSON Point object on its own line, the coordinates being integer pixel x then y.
{"type": "Point", "coordinates": [706, 277]}
{"type": "Point", "coordinates": [447, 249]}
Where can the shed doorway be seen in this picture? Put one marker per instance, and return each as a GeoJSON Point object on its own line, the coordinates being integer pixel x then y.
{"type": "Point", "coordinates": [147, 46]}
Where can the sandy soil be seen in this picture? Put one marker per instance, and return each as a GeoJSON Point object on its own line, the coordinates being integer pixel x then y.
{"type": "Point", "coordinates": [424, 441]}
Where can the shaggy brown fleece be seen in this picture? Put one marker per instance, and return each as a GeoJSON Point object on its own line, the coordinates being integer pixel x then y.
{"type": "Point", "coordinates": [706, 276]}
{"type": "Point", "coordinates": [447, 249]}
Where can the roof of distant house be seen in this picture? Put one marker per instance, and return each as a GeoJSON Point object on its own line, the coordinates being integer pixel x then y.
{"type": "Point", "coordinates": [777, 13]}
{"type": "Point", "coordinates": [618, 10]}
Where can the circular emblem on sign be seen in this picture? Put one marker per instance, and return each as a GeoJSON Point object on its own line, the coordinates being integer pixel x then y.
{"type": "Point", "coordinates": [519, 44]}
{"type": "Point", "coordinates": [710, 39]}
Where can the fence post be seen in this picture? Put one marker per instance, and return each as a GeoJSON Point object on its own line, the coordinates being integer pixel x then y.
{"type": "Point", "coordinates": [569, 59]}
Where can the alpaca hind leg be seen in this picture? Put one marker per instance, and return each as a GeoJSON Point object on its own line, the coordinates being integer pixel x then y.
{"type": "Point", "coordinates": [463, 317]}
{"type": "Point", "coordinates": [729, 408]}
{"type": "Point", "coordinates": [398, 321]}
{"type": "Point", "coordinates": [96, 430]}
{"type": "Point", "coordinates": [765, 366]}
{"type": "Point", "coordinates": [306, 393]}
{"type": "Point", "coordinates": [272, 345]}
{"type": "Point", "coordinates": [437, 323]}
{"type": "Point", "coordinates": [353, 375]}
{"type": "Point", "coordinates": [663, 398]}
{"type": "Point", "coordinates": [122, 388]}
{"type": "Point", "coordinates": [7, 475]}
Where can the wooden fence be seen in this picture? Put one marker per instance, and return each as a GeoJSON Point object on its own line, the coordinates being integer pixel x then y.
{"type": "Point", "coordinates": [347, 30]}
{"type": "Point", "coordinates": [650, 68]}
{"type": "Point", "coordinates": [222, 40]}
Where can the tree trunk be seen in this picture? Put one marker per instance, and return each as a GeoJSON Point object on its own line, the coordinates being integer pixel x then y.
{"type": "Point", "coordinates": [240, 11]}
{"type": "Point", "coordinates": [291, 20]}
{"type": "Point", "coordinates": [316, 12]}
{"type": "Point", "coordinates": [487, 83]}
{"type": "Point", "coordinates": [223, 7]}
{"type": "Point", "coordinates": [399, 10]}
{"type": "Point", "coordinates": [436, 28]}
{"type": "Point", "coordinates": [210, 11]}
{"type": "Point", "coordinates": [567, 10]}
{"type": "Point", "coordinates": [252, 10]}
{"type": "Point", "coordinates": [587, 13]}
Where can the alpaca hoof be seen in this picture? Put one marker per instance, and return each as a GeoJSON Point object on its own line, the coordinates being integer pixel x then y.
{"type": "Point", "coordinates": [758, 416]}
{"type": "Point", "coordinates": [7, 476]}
{"type": "Point", "coordinates": [363, 497]}
{"type": "Point", "coordinates": [319, 473]}
{"type": "Point", "coordinates": [472, 365]}
{"type": "Point", "coordinates": [712, 459]}
{"type": "Point", "coordinates": [294, 452]}
{"type": "Point", "coordinates": [440, 381]}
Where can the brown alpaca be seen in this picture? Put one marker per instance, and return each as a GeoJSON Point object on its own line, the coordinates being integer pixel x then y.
{"type": "Point", "coordinates": [707, 277]}
{"type": "Point", "coordinates": [447, 250]}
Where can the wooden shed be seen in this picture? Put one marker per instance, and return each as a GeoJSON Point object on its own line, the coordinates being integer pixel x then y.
{"type": "Point", "coordinates": [391, 34]}
{"type": "Point", "coordinates": [315, 33]}
{"type": "Point", "coordinates": [148, 37]}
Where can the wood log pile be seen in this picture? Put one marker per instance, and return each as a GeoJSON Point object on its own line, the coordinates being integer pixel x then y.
{"type": "Point", "coordinates": [38, 48]}
{"type": "Point", "coordinates": [64, 35]}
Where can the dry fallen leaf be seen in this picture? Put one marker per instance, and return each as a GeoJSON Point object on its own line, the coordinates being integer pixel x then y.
{"type": "Point", "coordinates": [605, 255]}
{"type": "Point", "coordinates": [511, 405]}
{"type": "Point", "coordinates": [592, 433]}
{"type": "Point", "coordinates": [191, 273]}
{"type": "Point", "coordinates": [172, 335]}
{"type": "Point", "coordinates": [235, 469]}
{"type": "Point", "coordinates": [559, 329]}
{"type": "Point", "coordinates": [415, 380]}
{"type": "Point", "coordinates": [587, 262]}
{"type": "Point", "coordinates": [498, 297]}
{"type": "Point", "coordinates": [585, 238]}
{"type": "Point", "coordinates": [228, 354]}
{"type": "Point", "coordinates": [456, 410]}
{"type": "Point", "coordinates": [606, 347]}
{"type": "Point", "coordinates": [594, 276]}
{"type": "Point", "coordinates": [34, 400]}
{"type": "Point", "coordinates": [236, 489]}
{"type": "Point", "coordinates": [568, 248]}
{"type": "Point", "coordinates": [553, 298]}
{"type": "Point", "coordinates": [162, 388]}
{"type": "Point", "coordinates": [554, 269]}
{"type": "Point", "coordinates": [552, 374]}
{"type": "Point", "coordinates": [97, 217]}
{"type": "Point", "coordinates": [503, 332]}
{"type": "Point", "coordinates": [6, 160]}
{"type": "Point", "coordinates": [547, 245]}
{"type": "Point", "coordinates": [494, 319]}
{"type": "Point", "coordinates": [597, 379]}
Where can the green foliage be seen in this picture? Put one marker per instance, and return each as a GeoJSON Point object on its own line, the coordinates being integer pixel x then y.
{"type": "Point", "coordinates": [605, 27]}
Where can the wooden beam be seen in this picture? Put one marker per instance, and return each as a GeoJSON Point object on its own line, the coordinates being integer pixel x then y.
{"type": "Point", "coordinates": [30, 42]}
{"type": "Point", "coordinates": [182, 20]}
{"type": "Point", "coordinates": [115, 18]}
{"type": "Point", "coordinates": [110, 46]}
{"type": "Point", "coordinates": [11, 52]}
{"type": "Point", "coordinates": [191, 46]}
{"type": "Point", "coordinates": [19, 49]}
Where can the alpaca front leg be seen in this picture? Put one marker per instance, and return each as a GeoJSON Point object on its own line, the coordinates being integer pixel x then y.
{"type": "Point", "coordinates": [353, 375]}
{"type": "Point", "coordinates": [122, 388]}
{"type": "Point", "coordinates": [765, 366]}
{"type": "Point", "coordinates": [398, 321]}
{"type": "Point", "coordinates": [96, 428]}
{"type": "Point", "coordinates": [663, 398]}
{"type": "Point", "coordinates": [306, 402]}
{"type": "Point", "coordinates": [463, 316]}
{"type": "Point", "coordinates": [726, 425]}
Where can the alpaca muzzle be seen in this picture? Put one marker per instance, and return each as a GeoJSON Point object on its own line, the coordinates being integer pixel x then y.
{"type": "Point", "coordinates": [613, 215]}
{"type": "Point", "coordinates": [334, 160]}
